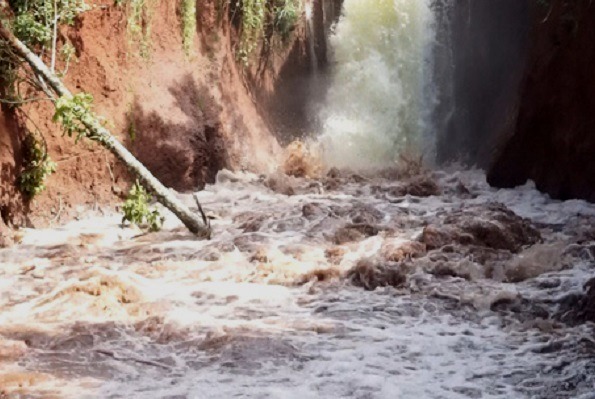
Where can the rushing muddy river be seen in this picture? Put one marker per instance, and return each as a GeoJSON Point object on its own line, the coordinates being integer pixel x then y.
{"type": "Point", "coordinates": [435, 286]}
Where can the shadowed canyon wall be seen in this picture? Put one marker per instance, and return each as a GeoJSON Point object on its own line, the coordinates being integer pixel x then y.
{"type": "Point", "coordinates": [480, 69]}
{"type": "Point", "coordinates": [519, 97]}
{"type": "Point", "coordinates": [552, 137]}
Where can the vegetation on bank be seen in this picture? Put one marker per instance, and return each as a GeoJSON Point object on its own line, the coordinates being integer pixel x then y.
{"type": "Point", "coordinates": [36, 25]}
{"type": "Point", "coordinates": [37, 165]}
{"type": "Point", "coordinates": [28, 49]}
{"type": "Point", "coordinates": [188, 19]}
{"type": "Point", "coordinates": [260, 22]}
{"type": "Point", "coordinates": [136, 209]}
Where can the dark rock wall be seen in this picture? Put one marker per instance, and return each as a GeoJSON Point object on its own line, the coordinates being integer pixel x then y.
{"type": "Point", "coordinates": [480, 75]}
{"type": "Point", "coordinates": [552, 139]}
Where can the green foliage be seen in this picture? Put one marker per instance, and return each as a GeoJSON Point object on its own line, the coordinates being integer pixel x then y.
{"type": "Point", "coordinates": [9, 77]}
{"type": "Point", "coordinates": [253, 18]}
{"type": "Point", "coordinates": [188, 11]}
{"type": "Point", "coordinates": [37, 166]}
{"type": "Point", "coordinates": [30, 31]}
{"type": "Point", "coordinates": [34, 19]}
{"type": "Point", "coordinates": [260, 20]}
{"type": "Point", "coordinates": [131, 123]}
{"type": "Point", "coordinates": [71, 111]}
{"type": "Point", "coordinates": [139, 23]}
{"type": "Point", "coordinates": [286, 16]}
{"type": "Point", "coordinates": [137, 211]}
{"type": "Point", "coordinates": [33, 23]}
{"type": "Point", "coordinates": [67, 52]}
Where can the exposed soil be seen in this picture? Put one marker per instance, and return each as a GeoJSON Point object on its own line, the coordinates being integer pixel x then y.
{"type": "Point", "coordinates": [12, 207]}
{"type": "Point", "coordinates": [185, 117]}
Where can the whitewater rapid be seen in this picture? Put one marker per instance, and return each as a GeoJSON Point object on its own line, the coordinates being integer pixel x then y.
{"type": "Point", "coordinates": [267, 308]}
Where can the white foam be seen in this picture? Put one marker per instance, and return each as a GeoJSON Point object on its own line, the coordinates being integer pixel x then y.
{"type": "Point", "coordinates": [377, 104]}
{"type": "Point", "coordinates": [232, 326]}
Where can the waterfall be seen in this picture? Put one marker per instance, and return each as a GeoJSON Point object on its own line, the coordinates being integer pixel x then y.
{"type": "Point", "coordinates": [311, 38]}
{"type": "Point", "coordinates": [381, 95]}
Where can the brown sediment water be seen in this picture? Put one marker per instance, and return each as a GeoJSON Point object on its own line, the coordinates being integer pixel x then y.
{"type": "Point", "coordinates": [349, 287]}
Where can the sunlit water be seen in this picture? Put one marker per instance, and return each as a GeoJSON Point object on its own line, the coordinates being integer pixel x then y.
{"type": "Point", "coordinates": [91, 310]}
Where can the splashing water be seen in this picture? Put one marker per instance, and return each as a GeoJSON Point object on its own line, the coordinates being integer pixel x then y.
{"type": "Point", "coordinates": [267, 308]}
{"type": "Point", "coordinates": [378, 103]}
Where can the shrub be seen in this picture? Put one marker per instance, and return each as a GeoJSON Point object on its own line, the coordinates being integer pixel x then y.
{"type": "Point", "coordinates": [188, 12]}
{"type": "Point", "coordinates": [137, 211]}
{"type": "Point", "coordinates": [37, 166]}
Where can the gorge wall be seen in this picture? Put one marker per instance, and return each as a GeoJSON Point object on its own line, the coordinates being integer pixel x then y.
{"type": "Point", "coordinates": [518, 99]}
{"type": "Point", "coordinates": [480, 66]}
{"type": "Point", "coordinates": [551, 138]}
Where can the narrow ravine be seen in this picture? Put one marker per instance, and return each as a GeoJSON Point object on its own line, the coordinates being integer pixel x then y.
{"type": "Point", "coordinates": [361, 261]}
{"type": "Point", "coordinates": [436, 286]}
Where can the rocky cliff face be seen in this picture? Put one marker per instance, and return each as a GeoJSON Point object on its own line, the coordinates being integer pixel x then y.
{"type": "Point", "coordinates": [480, 72]}
{"type": "Point", "coordinates": [551, 139]}
{"type": "Point", "coordinates": [184, 115]}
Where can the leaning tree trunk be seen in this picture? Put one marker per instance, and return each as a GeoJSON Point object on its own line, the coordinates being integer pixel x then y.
{"type": "Point", "coordinates": [194, 223]}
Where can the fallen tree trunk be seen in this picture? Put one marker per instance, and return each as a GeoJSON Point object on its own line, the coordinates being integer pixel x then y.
{"type": "Point", "coordinates": [194, 223]}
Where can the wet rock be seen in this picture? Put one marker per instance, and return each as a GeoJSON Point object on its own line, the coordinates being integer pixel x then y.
{"type": "Point", "coordinates": [319, 275]}
{"type": "Point", "coordinates": [395, 250]}
{"type": "Point", "coordinates": [333, 173]}
{"type": "Point", "coordinates": [354, 232]}
{"type": "Point", "coordinates": [208, 254]}
{"type": "Point", "coordinates": [417, 186]}
{"type": "Point", "coordinates": [437, 237]}
{"type": "Point", "coordinates": [371, 274]}
{"type": "Point", "coordinates": [162, 332]}
{"type": "Point", "coordinates": [312, 210]}
{"type": "Point", "coordinates": [462, 191]}
{"type": "Point", "coordinates": [533, 262]}
{"type": "Point", "coordinates": [331, 184]}
{"type": "Point", "coordinates": [250, 222]}
{"type": "Point", "coordinates": [280, 183]}
{"type": "Point", "coordinates": [530, 312]}
{"type": "Point", "coordinates": [465, 269]}
{"type": "Point", "coordinates": [249, 242]}
{"type": "Point", "coordinates": [227, 176]}
{"type": "Point", "coordinates": [584, 308]}
{"type": "Point", "coordinates": [335, 178]}
{"type": "Point", "coordinates": [365, 214]}
{"type": "Point", "coordinates": [549, 283]}
{"type": "Point", "coordinates": [467, 392]}
{"type": "Point", "coordinates": [347, 175]}
{"type": "Point", "coordinates": [492, 226]}
{"type": "Point", "coordinates": [344, 235]}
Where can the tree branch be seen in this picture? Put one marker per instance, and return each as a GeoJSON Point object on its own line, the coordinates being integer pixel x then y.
{"type": "Point", "coordinates": [192, 221]}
